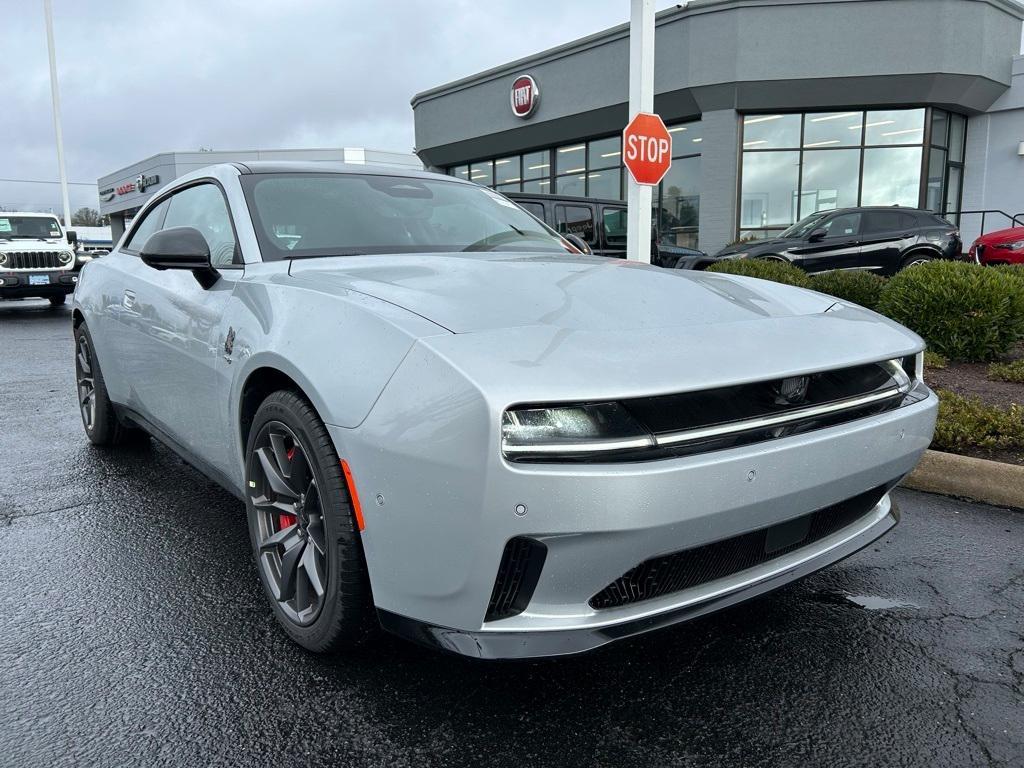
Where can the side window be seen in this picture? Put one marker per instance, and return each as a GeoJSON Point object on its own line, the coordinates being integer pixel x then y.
{"type": "Point", "coordinates": [844, 225]}
{"type": "Point", "coordinates": [884, 221]}
{"type": "Point", "coordinates": [576, 220]}
{"type": "Point", "coordinates": [149, 225]}
{"type": "Point", "coordinates": [614, 222]}
{"type": "Point", "coordinates": [908, 222]}
{"type": "Point", "coordinates": [204, 208]}
{"type": "Point", "coordinates": [535, 209]}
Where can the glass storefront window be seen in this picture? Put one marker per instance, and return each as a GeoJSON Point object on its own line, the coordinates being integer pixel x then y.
{"type": "Point", "coordinates": [506, 169]}
{"type": "Point", "coordinates": [537, 165]}
{"type": "Point", "coordinates": [679, 216]}
{"type": "Point", "coordinates": [686, 138]}
{"type": "Point", "coordinates": [771, 131]}
{"type": "Point", "coordinates": [537, 186]}
{"type": "Point", "coordinates": [770, 182]}
{"type": "Point", "coordinates": [513, 187]}
{"type": "Point", "coordinates": [894, 126]}
{"type": "Point", "coordinates": [571, 159]}
{"type": "Point", "coordinates": [957, 128]}
{"type": "Point", "coordinates": [460, 171]}
{"type": "Point", "coordinates": [605, 183]}
{"type": "Point", "coordinates": [940, 127]}
{"type": "Point", "coordinates": [482, 173]}
{"type": "Point", "coordinates": [953, 191]}
{"type": "Point", "coordinates": [575, 185]}
{"type": "Point", "coordinates": [892, 176]}
{"type": "Point", "coordinates": [936, 176]}
{"type": "Point", "coordinates": [832, 129]}
{"type": "Point", "coordinates": [605, 153]}
{"type": "Point", "coordinates": [829, 180]}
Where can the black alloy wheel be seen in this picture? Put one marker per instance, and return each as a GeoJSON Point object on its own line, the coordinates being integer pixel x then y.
{"type": "Point", "coordinates": [86, 382]}
{"type": "Point", "coordinates": [289, 522]}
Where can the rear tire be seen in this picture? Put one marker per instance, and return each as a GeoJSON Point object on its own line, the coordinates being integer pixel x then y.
{"type": "Point", "coordinates": [102, 426]}
{"type": "Point", "coordinates": [303, 528]}
{"type": "Point", "coordinates": [916, 259]}
{"type": "Point", "coordinates": [56, 301]}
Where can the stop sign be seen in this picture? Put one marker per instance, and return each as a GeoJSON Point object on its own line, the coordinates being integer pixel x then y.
{"type": "Point", "coordinates": [647, 148]}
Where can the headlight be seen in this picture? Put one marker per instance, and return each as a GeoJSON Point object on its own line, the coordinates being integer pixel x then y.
{"type": "Point", "coordinates": [570, 430]}
{"type": "Point", "coordinates": [1012, 246]}
{"type": "Point", "coordinates": [740, 255]}
{"type": "Point", "coordinates": [3, 259]}
{"type": "Point", "coordinates": [66, 257]}
{"type": "Point", "coordinates": [912, 366]}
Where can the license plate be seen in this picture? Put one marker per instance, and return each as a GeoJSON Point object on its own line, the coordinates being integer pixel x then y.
{"type": "Point", "coordinates": [38, 279]}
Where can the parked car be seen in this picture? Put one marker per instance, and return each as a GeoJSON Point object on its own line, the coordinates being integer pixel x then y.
{"type": "Point", "coordinates": [442, 418]}
{"type": "Point", "coordinates": [37, 257]}
{"type": "Point", "coordinates": [601, 224]}
{"type": "Point", "coordinates": [1003, 247]}
{"type": "Point", "coordinates": [881, 240]}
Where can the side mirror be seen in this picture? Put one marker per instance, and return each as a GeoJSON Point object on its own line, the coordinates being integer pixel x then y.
{"type": "Point", "coordinates": [579, 244]}
{"type": "Point", "coordinates": [180, 248]}
{"type": "Point", "coordinates": [72, 237]}
{"type": "Point", "coordinates": [817, 235]}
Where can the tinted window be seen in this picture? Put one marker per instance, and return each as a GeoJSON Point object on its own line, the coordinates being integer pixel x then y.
{"type": "Point", "coordinates": [203, 207]}
{"type": "Point", "coordinates": [148, 225]}
{"type": "Point", "coordinates": [614, 222]}
{"type": "Point", "coordinates": [303, 215]}
{"type": "Point", "coordinates": [844, 225]}
{"type": "Point", "coordinates": [889, 221]}
{"type": "Point", "coordinates": [575, 220]}
{"type": "Point", "coordinates": [537, 209]}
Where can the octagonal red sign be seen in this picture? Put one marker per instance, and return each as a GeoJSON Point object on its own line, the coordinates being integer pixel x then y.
{"type": "Point", "coordinates": [647, 148]}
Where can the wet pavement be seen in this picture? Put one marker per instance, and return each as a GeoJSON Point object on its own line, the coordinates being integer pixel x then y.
{"type": "Point", "coordinates": [133, 632]}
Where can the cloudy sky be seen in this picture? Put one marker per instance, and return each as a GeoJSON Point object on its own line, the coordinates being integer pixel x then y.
{"type": "Point", "coordinates": [139, 77]}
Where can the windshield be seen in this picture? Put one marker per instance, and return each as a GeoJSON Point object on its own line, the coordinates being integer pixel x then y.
{"type": "Point", "coordinates": [29, 227]}
{"type": "Point", "coordinates": [303, 215]}
{"type": "Point", "coordinates": [803, 227]}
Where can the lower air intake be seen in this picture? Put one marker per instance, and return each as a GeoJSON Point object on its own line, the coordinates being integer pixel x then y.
{"type": "Point", "coordinates": [518, 573]}
{"type": "Point", "coordinates": [664, 575]}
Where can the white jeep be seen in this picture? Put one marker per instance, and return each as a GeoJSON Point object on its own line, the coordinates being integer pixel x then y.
{"type": "Point", "coordinates": [37, 257]}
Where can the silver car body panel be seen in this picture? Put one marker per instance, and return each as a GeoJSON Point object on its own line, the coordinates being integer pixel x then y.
{"type": "Point", "coordinates": [412, 359]}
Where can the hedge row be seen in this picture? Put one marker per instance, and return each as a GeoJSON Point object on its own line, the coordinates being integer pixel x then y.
{"type": "Point", "coordinates": [963, 311]}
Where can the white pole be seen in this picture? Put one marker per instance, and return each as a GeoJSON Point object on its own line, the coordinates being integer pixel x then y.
{"type": "Point", "coordinates": [55, 93]}
{"type": "Point", "coordinates": [641, 99]}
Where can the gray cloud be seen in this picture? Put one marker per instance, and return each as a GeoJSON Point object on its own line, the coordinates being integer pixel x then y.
{"type": "Point", "coordinates": [143, 77]}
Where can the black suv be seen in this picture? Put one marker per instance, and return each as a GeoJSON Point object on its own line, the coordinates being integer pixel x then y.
{"type": "Point", "coordinates": [882, 240]}
{"type": "Point", "coordinates": [601, 224]}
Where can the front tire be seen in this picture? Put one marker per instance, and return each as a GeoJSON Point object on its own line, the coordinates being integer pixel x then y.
{"type": "Point", "coordinates": [915, 259]}
{"type": "Point", "coordinates": [302, 527]}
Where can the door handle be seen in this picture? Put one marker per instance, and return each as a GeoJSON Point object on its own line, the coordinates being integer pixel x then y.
{"type": "Point", "coordinates": [128, 301]}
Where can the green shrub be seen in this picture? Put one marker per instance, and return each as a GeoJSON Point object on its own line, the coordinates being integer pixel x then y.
{"type": "Point", "coordinates": [963, 311]}
{"type": "Point", "coordinates": [1007, 371]}
{"type": "Point", "coordinates": [856, 286]}
{"type": "Point", "coordinates": [934, 360]}
{"type": "Point", "coordinates": [1013, 271]}
{"type": "Point", "coordinates": [967, 422]}
{"type": "Point", "coordinates": [776, 271]}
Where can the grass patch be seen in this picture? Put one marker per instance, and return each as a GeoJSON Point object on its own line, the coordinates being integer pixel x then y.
{"type": "Point", "coordinates": [967, 422]}
{"type": "Point", "coordinates": [934, 360]}
{"type": "Point", "coordinates": [1007, 371]}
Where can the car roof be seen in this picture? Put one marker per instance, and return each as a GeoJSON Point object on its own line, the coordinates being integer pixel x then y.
{"type": "Point", "coordinates": [29, 214]}
{"type": "Point", "coordinates": [297, 166]}
{"type": "Point", "coordinates": [901, 208]}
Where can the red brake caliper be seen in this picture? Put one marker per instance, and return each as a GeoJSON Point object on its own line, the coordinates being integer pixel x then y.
{"type": "Point", "coordinates": [285, 520]}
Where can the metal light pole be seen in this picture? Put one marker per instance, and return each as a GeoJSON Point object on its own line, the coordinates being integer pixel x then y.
{"type": "Point", "coordinates": [641, 99]}
{"type": "Point", "coordinates": [55, 93]}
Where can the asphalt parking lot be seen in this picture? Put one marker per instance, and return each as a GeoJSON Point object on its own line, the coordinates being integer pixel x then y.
{"type": "Point", "coordinates": [133, 631]}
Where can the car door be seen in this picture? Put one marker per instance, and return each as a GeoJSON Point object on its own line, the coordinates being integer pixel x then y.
{"type": "Point", "coordinates": [613, 231]}
{"type": "Point", "coordinates": [839, 249]}
{"type": "Point", "coordinates": [180, 352]}
{"type": "Point", "coordinates": [882, 241]}
{"type": "Point", "coordinates": [577, 219]}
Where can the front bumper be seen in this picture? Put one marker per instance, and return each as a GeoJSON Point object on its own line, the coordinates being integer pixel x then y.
{"type": "Point", "coordinates": [18, 285]}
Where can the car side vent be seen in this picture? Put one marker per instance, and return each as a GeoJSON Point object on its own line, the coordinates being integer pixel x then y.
{"type": "Point", "coordinates": [518, 573]}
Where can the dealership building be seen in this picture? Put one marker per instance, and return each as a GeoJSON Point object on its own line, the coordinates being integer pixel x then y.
{"type": "Point", "coordinates": [777, 109]}
{"type": "Point", "coordinates": [124, 191]}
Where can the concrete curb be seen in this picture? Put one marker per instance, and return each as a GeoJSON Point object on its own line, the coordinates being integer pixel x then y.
{"type": "Point", "coordinates": [990, 482]}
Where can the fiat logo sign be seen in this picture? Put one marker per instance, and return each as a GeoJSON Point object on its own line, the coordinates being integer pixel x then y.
{"type": "Point", "coordinates": [525, 96]}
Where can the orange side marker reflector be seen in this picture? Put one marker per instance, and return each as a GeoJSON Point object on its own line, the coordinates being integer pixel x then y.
{"type": "Point", "coordinates": [356, 506]}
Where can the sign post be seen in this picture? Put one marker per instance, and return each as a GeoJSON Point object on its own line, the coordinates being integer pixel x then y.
{"type": "Point", "coordinates": [641, 99]}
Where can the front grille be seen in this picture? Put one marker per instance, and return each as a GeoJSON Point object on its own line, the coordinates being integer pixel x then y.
{"type": "Point", "coordinates": [664, 575]}
{"type": "Point", "coordinates": [518, 573]}
{"type": "Point", "coordinates": [32, 260]}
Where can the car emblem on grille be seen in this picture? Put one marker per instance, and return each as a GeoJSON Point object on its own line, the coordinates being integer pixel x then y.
{"type": "Point", "coordinates": [793, 390]}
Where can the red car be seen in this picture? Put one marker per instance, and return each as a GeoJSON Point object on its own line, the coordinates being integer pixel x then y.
{"type": "Point", "coordinates": [1003, 247]}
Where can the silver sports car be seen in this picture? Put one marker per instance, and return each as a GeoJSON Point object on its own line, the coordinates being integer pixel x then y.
{"type": "Point", "coordinates": [443, 417]}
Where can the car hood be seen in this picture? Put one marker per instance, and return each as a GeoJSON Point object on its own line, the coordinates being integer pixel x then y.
{"type": "Point", "coordinates": [754, 245]}
{"type": "Point", "coordinates": [1001, 236]}
{"type": "Point", "coordinates": [467, 293]}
